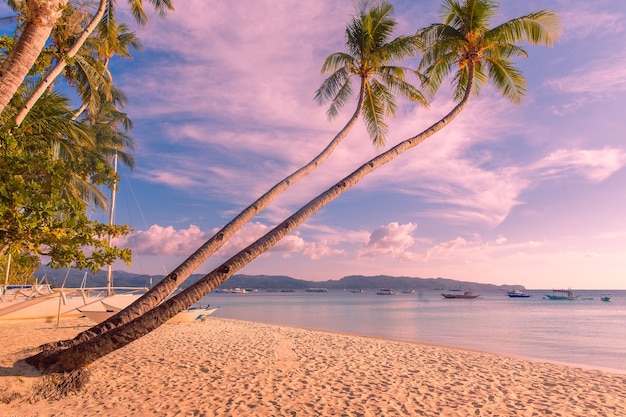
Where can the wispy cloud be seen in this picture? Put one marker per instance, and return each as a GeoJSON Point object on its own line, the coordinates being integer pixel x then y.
{"type": "Point", "coordinates": [581, 21]}
{"type": "Point", "coordinates": [604, 77]}
{"type": "Point", "coordinates": [592, 164]}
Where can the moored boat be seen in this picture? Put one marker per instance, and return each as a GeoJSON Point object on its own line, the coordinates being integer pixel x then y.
{"type": "Point", "coordinates": [106, 307]}
{"type": "Point", "coordinates": [605, 298]}
{"type": "Point", "coordinates": [562, 295]}
{"type": "Point", "coordinates": [518, 294]}
{"type": "Point", "coordinates": [187, 315]}
{"type": "Point", "coordinates": [193, 314]}
{"type": "Point", "coordinates": [316, 290]}
{"type": "Point", "coordinates": [62, 302]}
{"type": "Point", "coordinates": [385, 291]}
{"type": "Point", "coordinates": [232, 291]}
{"type": "Point", "coordinates": [466, 294]}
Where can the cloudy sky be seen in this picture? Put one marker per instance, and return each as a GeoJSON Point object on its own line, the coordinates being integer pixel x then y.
{"type": "Point", "coordinates": [222, 101]}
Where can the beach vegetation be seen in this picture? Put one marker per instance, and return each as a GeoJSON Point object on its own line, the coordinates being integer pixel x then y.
{"type": "Point", "coordinates": [463, 47]}
{"type": "Point", "coordinates": [56, 159]}
{"type": "Point", "coordinates": [38, 20]}
{"type": "Point", "coordinates": [50, 172]}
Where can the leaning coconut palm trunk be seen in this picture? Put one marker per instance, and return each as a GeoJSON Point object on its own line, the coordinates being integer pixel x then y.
{"type": "Point", "coordinates": [168, 284]}
{"type": "Point", "coordinates": [369, 58]}
{"type": "Point", "coordinates": [85, 353]}
{"type": "Point", "coordinates": [40, 19]}
{"type": "Point", "coordinates": [463, 41]}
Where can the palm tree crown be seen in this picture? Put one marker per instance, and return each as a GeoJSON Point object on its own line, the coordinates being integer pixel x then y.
{"type": "Point", "coordinates": [465, 37]}
{"type": "Point", "coordinates": [370, 56]}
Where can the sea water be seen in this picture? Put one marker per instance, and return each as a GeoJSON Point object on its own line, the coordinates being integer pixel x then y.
{"type": "Point", "coordinates": [587, 332]}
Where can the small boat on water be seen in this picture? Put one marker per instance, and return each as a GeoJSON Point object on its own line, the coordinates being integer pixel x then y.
{"type": "Point", "coordinates": [316, 290]}
{"type": "Point", "coordinates": [518, 294]}
{"type": "Point", "coordinates": [232, 290]}
{"type": "Point", "coordinates": [562, 295]}
{"type": "Point", "coordinates": [385, 291]}
{"type": "Point", "coordinates": [466, 294]}
{"type": "Point", "coordinates": [605, 298]}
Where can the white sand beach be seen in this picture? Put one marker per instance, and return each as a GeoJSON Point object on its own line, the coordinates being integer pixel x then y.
{"type": "Point", "coordinates": [223, 367]}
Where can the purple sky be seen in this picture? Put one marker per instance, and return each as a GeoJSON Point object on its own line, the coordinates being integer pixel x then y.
{"type": "Point", "coordinates": [222, 100]}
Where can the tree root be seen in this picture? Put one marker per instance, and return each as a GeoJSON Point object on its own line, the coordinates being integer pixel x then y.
{"type": "Point", "coordinates": [58, 385]}
{"type": "Point", "coordinates": [7, 397]}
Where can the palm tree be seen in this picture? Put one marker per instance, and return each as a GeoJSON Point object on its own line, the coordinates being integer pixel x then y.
{"type": "Point", "coordinates": [39, 19]}
{"type": "Point", "coordinates": [464, 35]}
{"type": "Point", "coordinates": [15, 68]}
{"type": "Point", "coordinates": [111, 40]}
{"type": "Point", "coordinates": [369, 56]}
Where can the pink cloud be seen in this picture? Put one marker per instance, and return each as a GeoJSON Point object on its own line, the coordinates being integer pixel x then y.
{"type": "Point", "coordinates": [164, 241]}
{"type": "Point", "coordinates": [393, 240]}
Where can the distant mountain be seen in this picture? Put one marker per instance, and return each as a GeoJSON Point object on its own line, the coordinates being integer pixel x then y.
{"type": "Point", "coordinates": [74, 278]}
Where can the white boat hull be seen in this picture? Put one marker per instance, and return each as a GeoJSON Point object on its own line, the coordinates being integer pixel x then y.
{"type": "Point", "coordinates": [57, 304]}
{"type": "Point", "coordinates": [184, 316]}
{"type": "Point", "coordinates": [106, 307]}
{"type": "Point", "coordinates": [192, 314]}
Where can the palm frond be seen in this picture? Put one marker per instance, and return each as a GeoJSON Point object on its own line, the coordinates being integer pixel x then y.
{"type": "Point", "coordinates": [331, 85]}
{"type": "Point", "coordinates": [394, 78]}
{"type": "Point", "coordinates": [539, 28]}
{"type": "Point", "coordinates": [507, 79]}
{"type": "Point", "coordinates": [371, 56]}
{"type": "Point", "coordinates": [138, 12]}
{"type": "Point", "coordinates": [465, 37]}
{"type": "Point", "coordinates": [373, 114]}
{"type": "Point", "coordinates": [340, 99]}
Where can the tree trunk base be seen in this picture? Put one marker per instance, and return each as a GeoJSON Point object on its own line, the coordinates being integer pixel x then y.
{"type": "Point", "coordinates": [58, 385]}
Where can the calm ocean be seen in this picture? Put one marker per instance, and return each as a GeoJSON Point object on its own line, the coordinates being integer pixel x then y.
{"type": "Point", "coordinates": [587, 332]}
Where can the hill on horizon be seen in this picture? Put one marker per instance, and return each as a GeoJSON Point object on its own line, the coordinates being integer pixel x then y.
{"type": "Point", "coordinates": [74, 278]}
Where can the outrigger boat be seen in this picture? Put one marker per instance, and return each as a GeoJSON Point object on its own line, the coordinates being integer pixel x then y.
{"type": "Point", "coordinates": [562, 295]}
{"type": "Point", "coordinates": [466, 294]}
{"type": "Point", "coordinates": [518, 294]}
{"type": "Point", "coordinates": [107, 310]}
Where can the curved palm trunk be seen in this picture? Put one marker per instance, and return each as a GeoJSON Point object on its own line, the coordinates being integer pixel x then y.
{"type": "Point", "coordinates": [42, 18]}
{"type": "Point", "coordinates": [55, 71]}
{"type": "Point", "coordinates": [84, 353]}
{"type": "Point", "coordinates": [168, 284]}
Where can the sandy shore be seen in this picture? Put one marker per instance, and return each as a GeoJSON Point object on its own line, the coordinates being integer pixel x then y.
{"type": "Point", "coordinates": [224, 367]}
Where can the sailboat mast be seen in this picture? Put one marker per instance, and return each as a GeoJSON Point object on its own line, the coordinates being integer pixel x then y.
{"type": "Point", "coordinates": [111, 220]}
{"type": "Point", "coordinates": [6, 277]}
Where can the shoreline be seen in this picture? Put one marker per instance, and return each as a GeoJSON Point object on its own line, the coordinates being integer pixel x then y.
{"type": "Point", "coordinates": [439, 345]}
{"type": "Point", "coordinates": [234, 367]}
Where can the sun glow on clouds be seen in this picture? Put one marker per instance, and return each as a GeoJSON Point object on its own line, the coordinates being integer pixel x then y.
{"type": "Point", "coordinates": [392, 240]}
{"type": "Point", "coordinates": [230, 101]}
{"type": "Point", "coordinates": [167, 241]}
